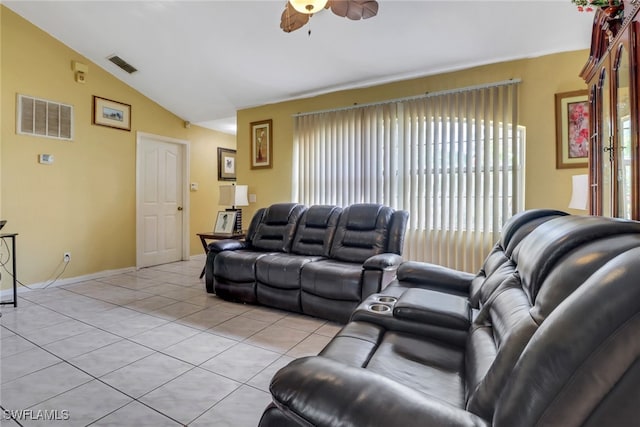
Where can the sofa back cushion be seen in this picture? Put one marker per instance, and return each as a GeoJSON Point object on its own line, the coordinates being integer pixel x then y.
{"type": "Point", "coordinates": [521, 224]}
{"type": "Point", "coordinates": [397, 231]}
{"type": "Point", "coordinates": [253, 225]}
{"type": "Point", "coordinates": [514, 230]}
{"type": "Point", "coordinates": [549, 242]}
{"type": "Point", "coordinates": [363, 231]}
{"type": "Point", "coordinates": [496, 339]}
{"type": "Point", "coordinates": [277, 227]}
{"type": "Point", "coordinates": [316, 229]}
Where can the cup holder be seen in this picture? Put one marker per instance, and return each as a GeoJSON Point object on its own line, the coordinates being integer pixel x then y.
{"type": "Point", "coordinates": [380, 308]}
{"type": "Point", "coordinates": [387, 299]}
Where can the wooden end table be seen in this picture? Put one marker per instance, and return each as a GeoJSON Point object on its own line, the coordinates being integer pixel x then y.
{"type": "Point", "coordinates": [213, 236]}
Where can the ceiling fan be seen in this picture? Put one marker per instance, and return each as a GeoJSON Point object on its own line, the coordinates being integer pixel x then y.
{"type": "Point", "coordinates": [297, 12]}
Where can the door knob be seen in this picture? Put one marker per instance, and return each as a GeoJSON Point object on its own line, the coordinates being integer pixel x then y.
{"type": "Point", "coordinates": [179, 208]}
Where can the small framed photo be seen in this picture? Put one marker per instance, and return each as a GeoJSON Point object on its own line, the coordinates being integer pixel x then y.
{"type": "Point", "coordinates": [225, 223]}
{"type": "Point", "coordinates": [261, 144]}
{"type": "Point", "coordinates": [111, 114]}
{"type": "Point", "coordinates": [226, 164]}
{"type": "Point", "coordinates": [572, 129]}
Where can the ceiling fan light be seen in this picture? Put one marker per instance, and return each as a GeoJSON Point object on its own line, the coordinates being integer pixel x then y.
{"type": "Point", "coordinates": [308, 6]}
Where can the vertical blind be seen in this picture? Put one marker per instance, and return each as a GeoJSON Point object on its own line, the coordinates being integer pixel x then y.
{"type": "Point", "coordinates": [454, 160]}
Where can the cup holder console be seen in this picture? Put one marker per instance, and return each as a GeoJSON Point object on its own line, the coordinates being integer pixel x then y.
{"type": "Point", "coordinates": [379, 307]}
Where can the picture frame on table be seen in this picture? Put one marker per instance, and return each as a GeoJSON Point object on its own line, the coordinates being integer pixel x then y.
{"type": "Point", "coordinates": [225, 222]}
{"type": "Point", "coordinates": [262, 144]}
{"type": "Point", "coordinates": [572, 129]}
{"type": "Point", "coordinates": [226, 164]}
{"type": "Point", "coordinates": [112, 114]}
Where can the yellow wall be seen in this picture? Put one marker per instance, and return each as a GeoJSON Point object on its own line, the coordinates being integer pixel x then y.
{"type": "Point", "coordinates": [541, 77]}
{"type": "Point", "coordinates": [84, 203]}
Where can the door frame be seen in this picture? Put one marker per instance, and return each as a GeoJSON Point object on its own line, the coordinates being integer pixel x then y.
{"type": "Point", "coordinates": [184, 147]}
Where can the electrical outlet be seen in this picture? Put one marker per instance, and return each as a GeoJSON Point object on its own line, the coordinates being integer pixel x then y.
{"type": "Point", "coordinates": [67, 257]}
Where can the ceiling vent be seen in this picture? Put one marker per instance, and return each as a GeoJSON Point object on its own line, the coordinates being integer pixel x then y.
{"type": "Point", "coordinates": [39, 117]}
{"type": "Point", "coordinates": [122, 64]}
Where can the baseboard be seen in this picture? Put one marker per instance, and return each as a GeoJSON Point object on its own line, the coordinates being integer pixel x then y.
{"type": "Point", "coordinates": [8, 293]}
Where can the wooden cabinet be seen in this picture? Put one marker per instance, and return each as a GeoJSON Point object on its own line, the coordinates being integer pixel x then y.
{"type": "Point", "coordinates": [612, 77]}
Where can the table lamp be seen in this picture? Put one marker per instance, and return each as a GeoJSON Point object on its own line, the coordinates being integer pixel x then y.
{"type": "Point", "coordinates": [234, 196]}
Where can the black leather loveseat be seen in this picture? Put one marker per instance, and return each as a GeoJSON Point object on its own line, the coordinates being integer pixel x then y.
{"type": "Point", "coordinates": [550, 332]}
{"type": "Point", "coordinates": [318, 260]}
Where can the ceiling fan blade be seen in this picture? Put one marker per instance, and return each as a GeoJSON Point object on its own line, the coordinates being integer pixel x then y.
{"type": "Point", "coordinates": [292, 20]}
{"type": "Point", "coordinates": [369, 9]}
{"type": "Point", "coordinates": [355, 9]}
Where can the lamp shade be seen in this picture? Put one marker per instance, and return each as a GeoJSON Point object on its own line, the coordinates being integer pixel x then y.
{"type": "Point", "coordinates": [234, 195]}
{"type": "Point", "coordinates": [308, 6]}
{"type": "Point", "coordinates": [579, 192]}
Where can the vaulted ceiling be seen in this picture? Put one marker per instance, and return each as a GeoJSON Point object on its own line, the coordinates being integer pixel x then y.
{"type": "Point", "coordinates": [204, 60]}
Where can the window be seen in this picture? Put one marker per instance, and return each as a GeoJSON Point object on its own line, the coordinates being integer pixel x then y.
{"type": "Point", "coordinates": [453, 160]}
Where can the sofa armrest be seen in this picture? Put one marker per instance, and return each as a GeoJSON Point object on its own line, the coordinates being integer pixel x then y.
{"type": "Point", "coordinates": [432, 276]}
{"type": "Point", "coordinates": [434, 308]}
{"type": "Point", "coordinates": [322, 392]}
{"type": "Point", "coordinates": [384, 261]}
{"type": "Point", "coordinates": [213, 249]}
{"type": "Point", "coordinates": [227, 245]}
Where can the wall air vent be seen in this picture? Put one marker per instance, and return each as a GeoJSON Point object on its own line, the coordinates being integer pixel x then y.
{"type": "Point", "coordinates": [49, 119]}
{"type": "Point", "coordinates": [122, 64]}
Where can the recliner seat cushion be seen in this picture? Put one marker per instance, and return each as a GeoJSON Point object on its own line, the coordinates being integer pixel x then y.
{"type": "Point", "coordinates": [430, 367]}
{"type": "Point", "coordinates": [237, 265]}
{"type": "Point", "coordinates": [282, 270]}
{"type": "Point", "coordinates": [332, 279]}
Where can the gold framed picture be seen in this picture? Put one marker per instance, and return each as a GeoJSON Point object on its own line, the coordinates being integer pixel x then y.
{"type": "Point", "coordinates": [261, 144]}
{"type": "Point", "coordinates": [113, 114]}
{"type": "Point", "coordinates": [572, 129]}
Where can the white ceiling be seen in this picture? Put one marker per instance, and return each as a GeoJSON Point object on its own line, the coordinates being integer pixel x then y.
{"type": "Point", "coordinates": [204, 60]}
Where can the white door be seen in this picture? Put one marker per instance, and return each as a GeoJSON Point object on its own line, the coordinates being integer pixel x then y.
{"type": "Point", "coordinates": [160, 201]}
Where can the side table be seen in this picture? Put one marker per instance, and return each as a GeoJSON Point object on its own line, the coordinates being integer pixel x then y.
{"type": "Point", "coordinates": [213, 236]}
{"type": "Point", "coordinates": [12, 236]}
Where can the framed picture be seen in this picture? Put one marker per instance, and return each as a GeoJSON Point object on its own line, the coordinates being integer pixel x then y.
{"type": "Point", "coordinates": [261, 144]}
{"type": "Point", "coordinates": [225, 223]}
{"type": "Point", "coordinates": [572, 129]}
{"type": "Point", "coordinates": [111, 114]}
{"type": "Point", "coordinates": [226, 164]}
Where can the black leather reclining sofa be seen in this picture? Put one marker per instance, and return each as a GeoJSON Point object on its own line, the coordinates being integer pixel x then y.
{"type": "Point", "coordinates": [318, 260]}
{"type": "Point", "coordinates": [546, 334]}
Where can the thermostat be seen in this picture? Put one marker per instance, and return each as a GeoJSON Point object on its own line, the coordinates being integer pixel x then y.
{"type": "Point", "coordinates": [45, 159]}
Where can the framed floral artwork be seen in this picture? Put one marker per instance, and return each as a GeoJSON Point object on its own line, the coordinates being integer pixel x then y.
{"type": "Point", "coordinates": [572, 129]}
{"type": "Point", "coordinates": [261, 144]}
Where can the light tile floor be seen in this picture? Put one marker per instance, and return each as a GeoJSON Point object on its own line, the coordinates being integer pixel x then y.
{"type": "Point", "coordinates": [147, 348]}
